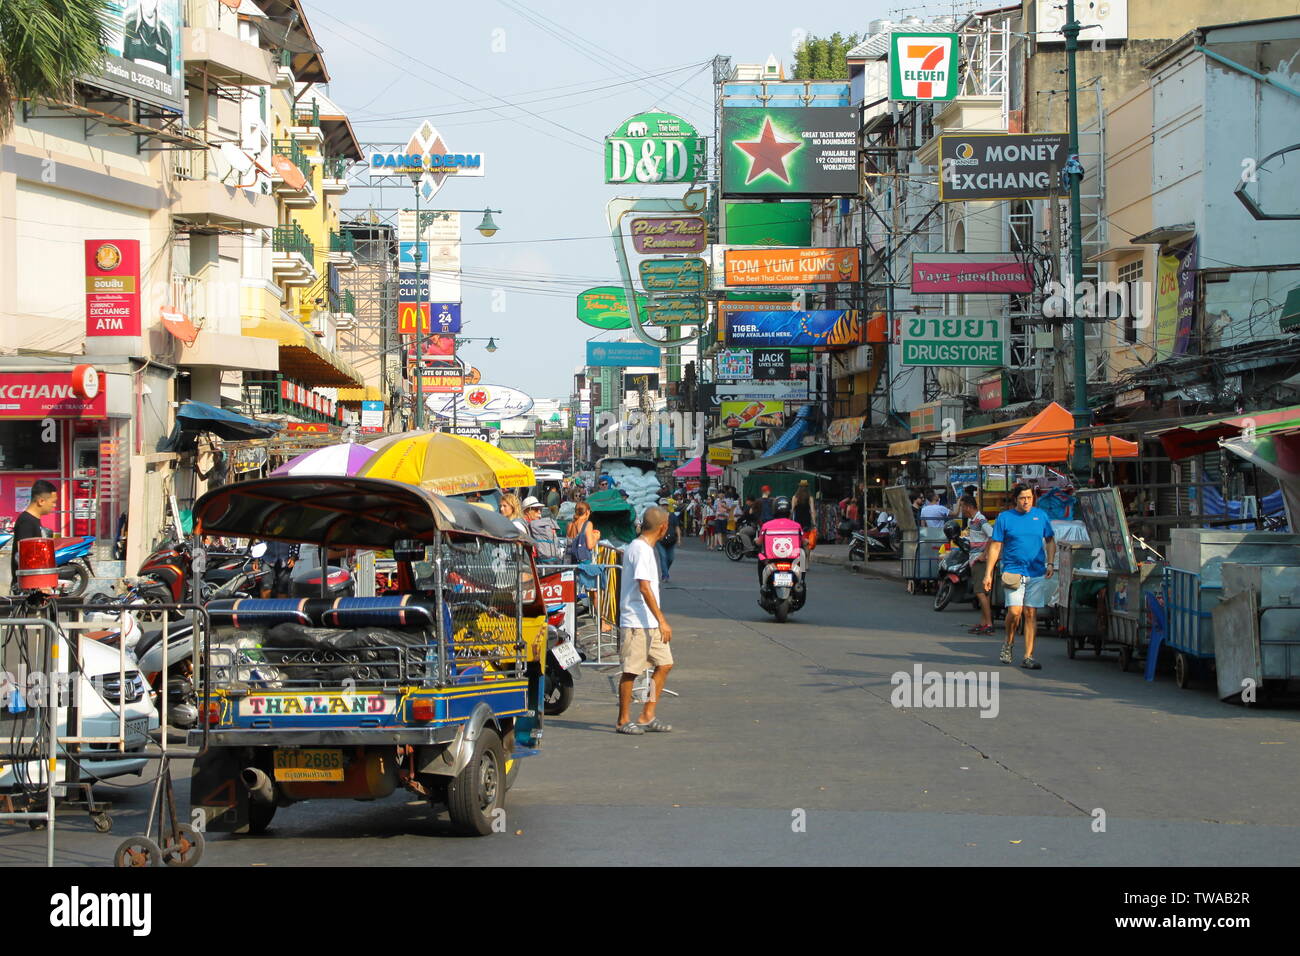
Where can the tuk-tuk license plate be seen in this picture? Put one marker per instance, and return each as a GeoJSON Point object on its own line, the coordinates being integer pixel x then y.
{"type": "Point", "coordinates": [309, 765]}
{"type": "Point", "coordinates": [566, 655]}
{"type": "Point", "coordinates": [783, 579]}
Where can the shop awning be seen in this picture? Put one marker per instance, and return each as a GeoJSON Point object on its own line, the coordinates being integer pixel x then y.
{"type": "Point", "coordinates": [1045, 439]}
{"type": "Point", "coordinates": [1184, 441]}
{"type": "Point", "coordinates": [302, 356]}
{"type": "Point", "coordinates": [755, 463]}
{"type": "Point", "coordinates": [898, 449]}
{"type": "Point", "coordinates": [994, 427]}
{"type": "Point", "coordinates": [352, 396]}
{"type": "Point", "coordinates": [195, 418]}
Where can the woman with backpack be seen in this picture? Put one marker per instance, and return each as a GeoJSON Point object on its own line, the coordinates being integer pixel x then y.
{"type": "Point", "coordinates": [581, 549]}
{"type": "Point", "coordinates": [666, 548]}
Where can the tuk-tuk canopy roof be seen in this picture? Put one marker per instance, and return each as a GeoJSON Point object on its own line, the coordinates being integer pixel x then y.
{"type": "Point", "coordinates": [344, 512]}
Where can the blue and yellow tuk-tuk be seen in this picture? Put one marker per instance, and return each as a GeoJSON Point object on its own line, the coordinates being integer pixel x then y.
{"type": "Point", "coordinates": [436, 688]}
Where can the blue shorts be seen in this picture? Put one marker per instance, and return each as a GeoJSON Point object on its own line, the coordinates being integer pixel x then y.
{"type": "Point", "coordinates": [1033, 592]}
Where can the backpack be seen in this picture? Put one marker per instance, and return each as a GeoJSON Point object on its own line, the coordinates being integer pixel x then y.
{"type": "Point", "coordinates": [670, 539]}
{"type": "Point", "coordinates": [577, 551]}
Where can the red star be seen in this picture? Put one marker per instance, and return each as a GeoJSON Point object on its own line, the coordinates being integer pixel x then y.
{"type": "Point", "coordinates": [767, 154]}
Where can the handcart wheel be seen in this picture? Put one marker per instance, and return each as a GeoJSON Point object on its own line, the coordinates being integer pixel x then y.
{"type": "Point", "coordinates": [1125, 658]}
{"type": "Point", "coordinates": [137, 851]}
{"type": "Point", "coordinates": [1069, 646]}
{"type": "Point", "coordinates": [103, 822]}
{"type": "Point", "coordinates": [185, 848]}
{"type": "Point", "coordinates": [1182, 670]}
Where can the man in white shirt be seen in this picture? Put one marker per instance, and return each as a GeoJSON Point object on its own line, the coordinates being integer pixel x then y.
{"type": "Point", "coordinates": [646, 632]}
{"type": "Point", "coordinates": [934, 514]}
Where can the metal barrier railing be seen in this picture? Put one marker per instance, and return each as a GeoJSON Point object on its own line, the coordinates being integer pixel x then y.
{"type": "Point", "coordinates": [596, 634]}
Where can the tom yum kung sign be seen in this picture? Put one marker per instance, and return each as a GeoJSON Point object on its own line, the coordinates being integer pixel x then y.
{"type": "Point", "coordinates": [790, 266]}
{"type": "Point", "coordinates": [1000, 165]}
{"type": "Point", "coordinates": [669, 234]}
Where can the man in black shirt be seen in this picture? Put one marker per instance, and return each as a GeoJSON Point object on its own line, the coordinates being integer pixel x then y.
{"type": "Point", "coordinates": [45, 500]}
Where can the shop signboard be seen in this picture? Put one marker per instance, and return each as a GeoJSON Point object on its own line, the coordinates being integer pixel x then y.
{"type": "Point", "coordinates": [673, 275]}
{"type": "Point", "coordinates": [437, 349]}
{"type": "Point", "coordinates": [991, 392]}
{"type": "Point", "coordinates": [482, 402]}
{"type": "Point", "coordinates": [789, 151]}
{"type": "Point", "coordinates": [670, 310]}
{"type": "Point", "coordinates": [735, 364]}
{"type": "Point", "coordinates": [1176, 301]}
{"type": "Point", "coordinates": [954, 340]}
{"type": "Point", "coordinates": [635, 381]}
{"type": "Point", "coordinates": [605, 354]}
{"type": "Point", "coordinates": [441, 381]}
{"type": "Point", "coordinates": [991, 273]}
{"type": "Point", "coordinates": [750, 391]}
{"type": "Point", "coordinates": [142, 55]}
{"type": "Point", "coordinates": [582, 420]}
{"type": "Point", "coordinates": [986, 166]}
{"type": "Point", "coordinates": [112, 287]}
{"type": "Point", "coordinates": [767, 223]}
{"type": "Point", "coordinates": [772, 364]}
{"type": "Point", "coordinates": [36, 395]}
{"type": "Point", "coordinates": [782, 329]}
{"type": "Point", "coordinates": [481, 432]}
{"type": "Point", "coordinates": [372, 417]}
{"type": "Point", "coordinates": [923, 66]}
{"type": "Point", "coordinates": [605, 307]}
{"type": "Point", "coordinates": [445, 317]}
{"type": "Point", "coordinates": [661, 235]}
{"type": "Point", "coordinates": [654, 148]}
{"type": "Point", "coordinates": [720, 456]}
{"type": "Point", "coordinates": [815, 266]}
{"type": "Point", "coordinates": [844, 431]}
{"type": "Point", "coordinates": [307, 428]}
{"type": "Point", "coordinates": [552, 451]}
{"type": "Point", "coordinates": [752, 414]}
{"type": "Point", "coordinates": [425, 153]}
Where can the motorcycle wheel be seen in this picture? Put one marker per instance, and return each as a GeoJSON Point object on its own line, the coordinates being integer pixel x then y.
{"type": "Point", "coordinates": [259, 816]}
{"type": "Point", "coordinates": [734, 548]}
{"type": "Point", "coordinates": [856, 553]}
{"type": "Point", "coordinates": [559, 692]}
{"type": "Point", "coordinates": [154, 595]}
{"type": "Point", "coordinates": [782, 611]}
{"type": "Point", "coordinates": [80, 578]}
{"type": "Point", "coordinates": [896, 540]}
{"type": "Point", "coordinates": [944, 596]}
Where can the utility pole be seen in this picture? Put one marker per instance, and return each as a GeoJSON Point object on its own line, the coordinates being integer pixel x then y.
{"type": "Point", "coordinates": [1081, 461]}
{"type": "Point", "coordinates": [1058, 331]}
{"type": "Point", "coordinates": [419, 316]}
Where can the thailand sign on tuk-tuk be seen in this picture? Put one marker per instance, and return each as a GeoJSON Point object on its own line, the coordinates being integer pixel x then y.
{"type": "Point", "coordinates": [436, 688]}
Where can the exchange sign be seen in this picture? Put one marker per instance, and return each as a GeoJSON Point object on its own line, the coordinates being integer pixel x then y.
{"type": "Point", "coordinates": [1000, 165]}
{"type": "Point", "coordinates": [789, 151]}
{"type": "Point", "coordinates": [954, 340]}
{"type": "Point", "coordinates": [654, 148]}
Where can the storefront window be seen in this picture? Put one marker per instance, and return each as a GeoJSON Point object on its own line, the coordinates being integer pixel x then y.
{"type": "Point", "coordinates": [22, 447]}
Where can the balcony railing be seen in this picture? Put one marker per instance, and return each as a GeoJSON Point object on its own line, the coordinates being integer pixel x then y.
{"type": "Point", "coordinates": [291, 238]}
{"type": "Point", "coordinates": [336, 167]}
{"type": "Point", "coordinates": [348, 306]}
{"type": "Point", "coordinates": [342, 242]}
{"type": "Point", "coordinates": [311, 117]}
{"type": "Point", "coordinates": [263, 396]}
{"type": "Point", "coordinates": [290, 149]}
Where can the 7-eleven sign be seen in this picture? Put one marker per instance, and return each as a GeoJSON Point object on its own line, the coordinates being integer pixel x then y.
{"type": "Point", "coordinates": [923, 66]}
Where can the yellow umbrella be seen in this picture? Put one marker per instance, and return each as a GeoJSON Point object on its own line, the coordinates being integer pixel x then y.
{"type": "Point", "coordinates": [446, 464]}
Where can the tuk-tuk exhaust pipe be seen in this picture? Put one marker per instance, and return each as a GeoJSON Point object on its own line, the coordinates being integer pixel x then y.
{"type": "Point", "coordinates": [259, 785]}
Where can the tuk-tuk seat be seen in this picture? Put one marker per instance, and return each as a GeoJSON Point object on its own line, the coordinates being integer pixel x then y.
{"type": "Point", "coordinates": [259, 612]}
{"type": "Point", "coordinates": [389, 610]}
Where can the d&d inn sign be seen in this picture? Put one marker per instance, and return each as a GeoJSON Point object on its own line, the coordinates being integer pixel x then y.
{"type": "Point", "coordinates": [653, 148]}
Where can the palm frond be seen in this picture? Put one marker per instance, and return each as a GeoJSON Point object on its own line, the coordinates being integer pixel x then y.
{"type": "Point", "coordinates": [46, 46]}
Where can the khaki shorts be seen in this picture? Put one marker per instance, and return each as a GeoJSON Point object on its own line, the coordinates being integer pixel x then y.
{"type": "Point", "coordinates": [641, 649]}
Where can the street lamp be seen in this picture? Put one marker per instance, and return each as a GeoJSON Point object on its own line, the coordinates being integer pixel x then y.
{"type": "Point", "coordinates": [488, 227]}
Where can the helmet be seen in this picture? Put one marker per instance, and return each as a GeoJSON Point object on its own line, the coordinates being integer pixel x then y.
{"type": "Point", "coordinates": [781, 507]}
{"type": "Point", "coordinates": [952, 530]}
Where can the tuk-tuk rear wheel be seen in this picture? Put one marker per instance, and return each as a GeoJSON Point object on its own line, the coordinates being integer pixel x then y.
{"type": "Point", "coordinates": [477, 792]}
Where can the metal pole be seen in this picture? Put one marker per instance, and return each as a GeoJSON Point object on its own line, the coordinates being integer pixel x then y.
{"type": "Point", "coordinates": [1081, 461]}
{"type": "Point", "coordinates": [1058, 332]}
{"type": "Point", "coordinates": [419, 319]}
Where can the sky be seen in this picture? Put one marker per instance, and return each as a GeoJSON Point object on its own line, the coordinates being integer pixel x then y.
{"type": "Point", "coordinates": [576, 70]}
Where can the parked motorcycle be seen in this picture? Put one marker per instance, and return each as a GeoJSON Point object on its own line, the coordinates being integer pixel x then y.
{"type": "Point", "coordinates": [739, 546]}
{"type": "Point", "coordinates": [562, 660]}
{"type": "Point", "coordinates": [172, 566]}
{"type": "Point", "coordinates": [72, 557]}
{"type": "Point", "coordinates": [955, 570]}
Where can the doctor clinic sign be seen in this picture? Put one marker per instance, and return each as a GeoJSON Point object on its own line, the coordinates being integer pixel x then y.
{"type": "Point", "coordinates": [653, 148]}
{"type": "Point", "coordinates": [112, 287]}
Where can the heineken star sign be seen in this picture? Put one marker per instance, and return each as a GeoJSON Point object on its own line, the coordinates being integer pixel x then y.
{"type": "Point", "coordinates": [654, 148]}
{"type": "Point", "coordinates": [788, 152]}
{"type": "Point", "coordinates": [923, 66]}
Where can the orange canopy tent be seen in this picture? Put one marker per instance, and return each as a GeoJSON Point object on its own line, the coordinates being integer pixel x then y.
{"type": "Point", "coordinates": [1054, 423]}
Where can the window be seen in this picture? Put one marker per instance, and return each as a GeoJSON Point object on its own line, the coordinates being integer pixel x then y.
{"type": "Point", "coordinates": [1130, 275]}
{"type": "Point", "coordinates": [21, 448]}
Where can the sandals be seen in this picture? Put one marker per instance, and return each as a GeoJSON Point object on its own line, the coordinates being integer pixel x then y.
{"type": "Point", "coordinates": [1005, 656]}
{"type": "Point", "coordinates": [1030, 664]}
{"type": "Point", "coordinates": [656, 726]}
{"type": "Point", "coordinates": [980, 629]}
{"type": "Point", "coordinates": [632, 727]}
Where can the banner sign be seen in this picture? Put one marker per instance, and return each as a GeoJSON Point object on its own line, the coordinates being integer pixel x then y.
{"type": "Point", "coordinates": [413, 287]}
{"type": "Point", "coordinates": [372, 416]}
{"type": "Point", "coordinates": [718, 455]}
{"type": "Point", "coordinates": [437, 348]}
{"type": "Point", "coordinates": [412, 318]}
{"type": "Point", "coordinates": [483, 402]}
{"type": "Point", "coordinates": [665, 234]}
{"type": "Point", "coordinates": [436, 381]}
{"type": "Point", "coordinates": [990, 392]}
{"type": "Point", "coordinates": [953, 340]}
{"type": "Point", "coordinates": [772, 391]}
{"type": "Point", "coordinates": [112, 287]}
{"type": "Point", "coordinates": [824, 327]}
{"type": "Point", "coordinates": [445, 317]}
{"type": "Point", "coordinates": [755, 414]}
{"type": "Point", "coordinates": [427, 154]}
{"type": "Point", "coordinates": [790, 266]}
{"type": "Point", "coordinates": [923, 66]}
{"type": "Point", "coordinates": [767, 223]}
{"type": "Point", "coordinates": [654, 148]}
{"type": "Point", "coordinates": [489, 435]}
{"type": "Point", "coordinates": [674, 275]}
{"type": "Point", "coordinates": [669, 310]}
{"type": "Point", "coordinates": [143, 52]}
{"type": "Point", "coordinates": [1000, 165]}
{"type": "Point", "coordinates": [622, 354]}
{"type": "Point", "coordinates": [552, 451]}
{"type": "Point", "coordinates": [605, 307]}
{"type": "Point", "coordinates": [844, 431]}
{"type": "Point", "coordinates": [1175, 300]}
{"type": "Point", "coordinates": [772, 364]}
{"type": "Point", "coordinates": [789, 151]}
{"type": "Point", "coordinates": [38, 395]}
{"type": "Point", "coordinates": [735, 364]}
{"type": "Point", "coordinates": [992, 273]}
{"type": "Point", "coordinates": [307, 428]}
{"type": "Point", "coordinates": [636, 381]}
{"type": "Point", "coordinates": [582, 420]}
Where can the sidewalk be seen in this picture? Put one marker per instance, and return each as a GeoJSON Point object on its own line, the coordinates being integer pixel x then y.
{"type": "Point", "coordinates": [837, 555]}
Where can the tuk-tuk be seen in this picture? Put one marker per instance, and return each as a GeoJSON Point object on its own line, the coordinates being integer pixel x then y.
{"type": "Point", "coordinates": [436, 688]}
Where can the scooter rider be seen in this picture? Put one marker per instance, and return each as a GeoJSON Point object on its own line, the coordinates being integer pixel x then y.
{"type": "Point", "coordinates": [782, 524]}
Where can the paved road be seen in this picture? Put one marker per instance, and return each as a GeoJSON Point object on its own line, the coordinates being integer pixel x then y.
{"type": "Point", "coordinates": [782, 725]}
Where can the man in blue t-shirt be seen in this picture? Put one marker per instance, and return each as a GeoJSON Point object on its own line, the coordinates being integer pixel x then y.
{"type": "Point", "coordinates": [1023, 539]}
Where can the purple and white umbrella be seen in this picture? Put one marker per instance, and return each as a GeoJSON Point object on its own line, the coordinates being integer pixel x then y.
{"type": "Point", "coordinates": [332, 460]}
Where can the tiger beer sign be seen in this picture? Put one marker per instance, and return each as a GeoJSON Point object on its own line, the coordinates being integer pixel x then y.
{"type": "Point", "coordinates": [923, 66]}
